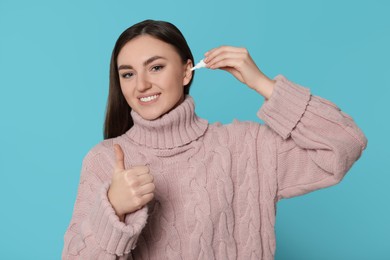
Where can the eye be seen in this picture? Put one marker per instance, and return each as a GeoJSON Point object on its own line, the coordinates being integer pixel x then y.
{"type": "Point", "coordinates": [127, 75]}
{"type": "Point", "coordinates": [157, 68]}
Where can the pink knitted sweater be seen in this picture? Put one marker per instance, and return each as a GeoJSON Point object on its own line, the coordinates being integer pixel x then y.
{"type": "Point", "coordinates": [216, 185]}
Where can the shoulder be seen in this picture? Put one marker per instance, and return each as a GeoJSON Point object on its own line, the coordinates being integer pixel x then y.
{"type": "Point", "coordinates": [99, 161]}
{"type": "Point", "coordinates": [100, 155]}
{"type": "Point", "coordinates": [104, 151]}
{"type": "Point", "coordinates": [101, 148]}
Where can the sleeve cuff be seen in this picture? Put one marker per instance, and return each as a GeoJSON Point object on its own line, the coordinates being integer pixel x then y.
{"type": "Point", "coordinates": [286, 106]}
{"type": "Point", "coordinates": [111, 234]}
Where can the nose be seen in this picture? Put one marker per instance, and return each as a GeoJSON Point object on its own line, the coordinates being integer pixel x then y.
{"type": "Point", "coordinates": [143, 83]}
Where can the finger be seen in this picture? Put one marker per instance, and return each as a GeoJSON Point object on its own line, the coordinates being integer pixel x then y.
{"type": "Point", "coordinates": [142, 200]}
{"type": "Point", "coordinates": [138, 177]}
{"type": "Point", "coordinates": [234, 72]}
{"type": "Point", "coordinates": [146, 189]}
{"type": "Point", "coordinates": [210, 55]}
{"type": "Point", "coordinates": [119, 158]}
{"type": "Point", "coordinates": [138, 180]}
{"type": "Point", "coordinates": [225, 56]}
{"type": "Point", "coordinates": [231, 62]}
{"type": "Point", "coordinates": [219, 49]}
{"type": "Point", "coordinates": [139, 170]}
{"type": "Point", "coordinates": [147, 198]}
{"type": "Point", "coordinates": [145, 179]}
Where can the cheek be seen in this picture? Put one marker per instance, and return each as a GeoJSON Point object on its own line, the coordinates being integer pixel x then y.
{"type": "Point", "coordinates": [176, 81]}
{"type": "Point", "coordinates": [125, 87]}
{"type": "Point", "coordinates": [126, 92]}
{"type": "Point", "coordinates": [123, 90]}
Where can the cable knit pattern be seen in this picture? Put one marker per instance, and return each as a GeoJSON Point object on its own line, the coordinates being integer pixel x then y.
{"type": "Point", "coordinates": [216, 185]}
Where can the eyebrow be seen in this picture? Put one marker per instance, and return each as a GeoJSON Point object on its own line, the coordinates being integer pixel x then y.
{"type": "Point", "coordinates": [148, 61]}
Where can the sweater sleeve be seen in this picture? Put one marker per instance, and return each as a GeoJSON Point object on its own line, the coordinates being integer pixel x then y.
{"type": "Point", "coordinates": [95, 231]}
{"type": "Point", "coordinates": [317, 144]}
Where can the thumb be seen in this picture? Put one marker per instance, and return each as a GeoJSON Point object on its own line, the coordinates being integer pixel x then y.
{"type": "Point", "coordinates": [119, 158]}
{"type": "Point", "coordinates": [234, 72]}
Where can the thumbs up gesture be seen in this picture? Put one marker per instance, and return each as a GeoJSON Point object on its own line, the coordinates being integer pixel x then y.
{"type": "Point", "coordinates": [130, 189]}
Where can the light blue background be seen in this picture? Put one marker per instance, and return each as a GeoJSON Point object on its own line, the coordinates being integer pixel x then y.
{"type": "Point", "coordinates": [54, 58]}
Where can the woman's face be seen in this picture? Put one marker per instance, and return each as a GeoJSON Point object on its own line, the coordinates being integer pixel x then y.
{"type": "Point", "coordinates": [152, 76]}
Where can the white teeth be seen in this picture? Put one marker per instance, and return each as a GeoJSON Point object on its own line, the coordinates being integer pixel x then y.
{"type": "Point", "coordinates": [150, 98]}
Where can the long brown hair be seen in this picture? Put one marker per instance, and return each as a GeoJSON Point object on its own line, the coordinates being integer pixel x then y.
{"type": "Point", "coordinates": [118, 118]}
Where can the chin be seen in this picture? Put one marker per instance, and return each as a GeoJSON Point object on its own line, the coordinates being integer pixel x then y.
{"type": "Point", "coordinates": [154, 113]}
{"type": "Point", "coordinates": [152, 116]}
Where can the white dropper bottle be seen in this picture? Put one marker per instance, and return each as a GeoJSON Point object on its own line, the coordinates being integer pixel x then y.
{"type": "Point", "coordinates": [200, 64]}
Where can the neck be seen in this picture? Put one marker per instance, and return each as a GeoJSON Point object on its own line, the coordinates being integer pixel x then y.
{"type": "Point", "coordinates": [177, 128]}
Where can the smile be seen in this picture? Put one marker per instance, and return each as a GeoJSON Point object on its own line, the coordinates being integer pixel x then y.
{"type": "Point", "coordinates": [149, 98]}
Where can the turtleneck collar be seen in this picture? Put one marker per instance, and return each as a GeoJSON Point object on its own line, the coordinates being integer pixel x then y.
{"type": "Point", "coordinates": [176, 128]}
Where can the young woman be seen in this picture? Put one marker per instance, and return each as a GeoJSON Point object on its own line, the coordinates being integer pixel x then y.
{"type": "Point", "coordinates": [165, 184]}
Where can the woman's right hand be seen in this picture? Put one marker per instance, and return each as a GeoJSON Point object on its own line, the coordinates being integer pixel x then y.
{"type": "Point", "coordinates": [130, 189]}
{"type": "Point", "coordinates": [240, 64]}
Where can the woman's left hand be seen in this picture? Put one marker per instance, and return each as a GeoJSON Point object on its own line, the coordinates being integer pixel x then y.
{"type": "Point", "coordinates": [240, 64]}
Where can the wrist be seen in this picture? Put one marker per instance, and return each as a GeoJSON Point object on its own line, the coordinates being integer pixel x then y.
{"type": "Point", "coordinates": [120, 215]}
{"type": "Point", "coordinates": [265, 86]}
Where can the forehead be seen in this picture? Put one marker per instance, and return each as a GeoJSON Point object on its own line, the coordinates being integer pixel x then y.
{"type": "Point", "coordinates": [143, 47]}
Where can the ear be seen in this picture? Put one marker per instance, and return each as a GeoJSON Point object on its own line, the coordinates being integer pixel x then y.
{"type": "Point", "coordinates": [187, 72]}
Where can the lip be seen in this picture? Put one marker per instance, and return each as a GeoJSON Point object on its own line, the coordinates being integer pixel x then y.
{"type": "Point", "coordinates": [148, 95]}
